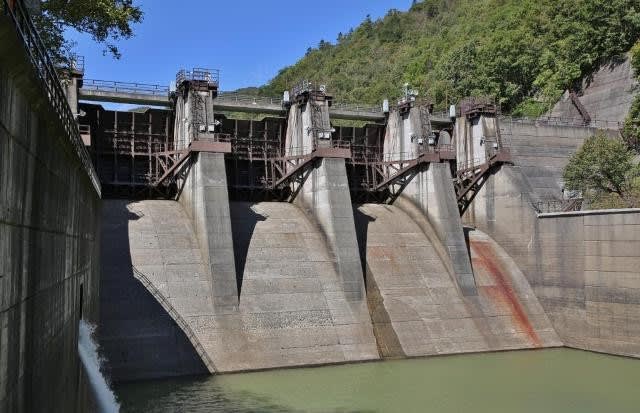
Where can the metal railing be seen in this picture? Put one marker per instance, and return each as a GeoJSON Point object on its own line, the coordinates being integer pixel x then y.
{"type": "Point", "coordinates": [233, 97]}
{"type": "Point", "coordinates": [210, 76]}
{"type": "Point", "coordinates": [52, 88]}
{"type": "Point", "coordinates": [555, 205]}
{"type": "Point", "coordinates": [184, 326]}
{"type": "Point", "coordinates": [440, 115]}
{"type": "Point", "coordinates": [355, 107]}
{"type": "Point", "coordinates": [76, 63]}
{"type": "Point", "coordinates": [307, 86]}
{"type": "Point", "coordinates": [573, 122]}
{"type": "Point", "coordinates": [125, 87]}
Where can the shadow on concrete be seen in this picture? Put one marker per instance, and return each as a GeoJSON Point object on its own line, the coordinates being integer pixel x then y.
{"type": "Point", "coordinates": [138, 338]}
{"type": "Point", "coordinates": [362, 221]}
{"type": "Point", "coordinates": [243, 224]}
{"type": "Point", "coordinates": [387, 340]}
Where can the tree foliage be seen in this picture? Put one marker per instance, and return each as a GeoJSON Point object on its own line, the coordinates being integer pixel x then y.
{"type": "Point", "coordinates": [631, 130]}
{"type": "Point", "coordinates": [524, 52]}
{"type": "Point", "coordinates": [603, 168]}
{"type": "Point", "coordinates": [105, 21]}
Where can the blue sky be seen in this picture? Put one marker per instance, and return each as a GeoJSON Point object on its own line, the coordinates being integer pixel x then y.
{"type": "Point", "coordinates": [248, 40]}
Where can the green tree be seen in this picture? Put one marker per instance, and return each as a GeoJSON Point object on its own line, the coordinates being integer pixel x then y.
{"type": "Point", "coordinates": [526, 53]}
{"type": "Point", "coordinates": [604, 167]}
{"type": "Point", "coordinates": [631, 129]}
{"type": "Point", "coordinates": [106, 21]}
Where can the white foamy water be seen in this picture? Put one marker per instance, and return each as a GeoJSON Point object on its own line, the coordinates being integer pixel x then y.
{"type": "Point", "coordinates": [88, 351]}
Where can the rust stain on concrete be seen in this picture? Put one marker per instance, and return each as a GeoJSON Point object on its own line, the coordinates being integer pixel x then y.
{"type": "Point", "coordinates": [502, 290]}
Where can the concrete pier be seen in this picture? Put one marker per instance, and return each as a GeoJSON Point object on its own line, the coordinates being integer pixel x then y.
{"type": "Point", "coordinates": [430, 190]}
{"type": "Point", "coordinates": [205, 199]}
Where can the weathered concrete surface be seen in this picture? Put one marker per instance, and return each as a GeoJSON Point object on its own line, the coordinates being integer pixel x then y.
{"type": "Point", "coordinates": [293, 309]}
{"type": "Point", "coordinates": [325, 197]}
{"type": "Point", "coordinates": [295, 306]}
{"type": "Point", "coordinates": [416, 305]}
{"type": "Point", "coordinates": [582, 267]}
{"type": "Point", "coordinates": [403, 134]}
{"type": "Point", "coordinates": [205, 199]}
{"type": "Point", "coordinates": [541, 151]}
{"type": "Point", "coordinates": [432, 192]}
{"type": "Point", "coordinates": [140, 339]}
{"type": "Point", "coordinates": [475, 139]}
{"type": "Point", "coordinates": [48, 246]}
{"type": "Point", "coordinates": [595, 305]}
{"type": "Point", "coordinates": [607, 95]}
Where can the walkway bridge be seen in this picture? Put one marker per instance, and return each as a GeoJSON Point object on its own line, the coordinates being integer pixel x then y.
{"type": "Point", "coordinates": [94, 90]}
{"type": "Point", "coordinates": [259, 165]}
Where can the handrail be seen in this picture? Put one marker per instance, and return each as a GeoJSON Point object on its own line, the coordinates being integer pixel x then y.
{"type": "Point", "coordinates": [197, 74]}
{"type": "Point", "coordinates": [559, 121]}
{"type": "Point", "coordinates": [125, 87]}
{"type": "Point", "coordinates": [557, 205]}
{"type": "Point", "coordinates": [240, 98]}
{"type": "Point", "coordinates": [355, 107]}
{"type": "Point", "coordinates": [184, 326]}
{"type": "Point", "coordinates": [46, 73]}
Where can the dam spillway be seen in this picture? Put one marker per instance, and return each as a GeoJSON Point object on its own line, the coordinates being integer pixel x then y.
{"type": "Point", "coordinates": [201, 242]}
{"type": "Point", "coordinates": [286, 241]}
{"type": "Point", "coordinates": [264, 260]}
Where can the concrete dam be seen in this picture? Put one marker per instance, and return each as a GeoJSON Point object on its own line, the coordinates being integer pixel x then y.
{"type": "Point", "coordinates": [216, 233]}
{"type": "Point", "coordinates": [288, 241]}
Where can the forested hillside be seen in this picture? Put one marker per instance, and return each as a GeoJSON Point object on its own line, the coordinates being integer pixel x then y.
{"type": "Point", "coordinates": [524, 52]}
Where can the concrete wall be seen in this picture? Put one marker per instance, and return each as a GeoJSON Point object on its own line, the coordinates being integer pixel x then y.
{"type": "Point", "coordinates": [49, 215]}
{"type": "Point", "coordinates": [541, 151]}
{"type": "Point", "coordinates": [594, 305]}
{"type": "Point", "coordinates": [402, 133]}
{"type": "Point", "coordinates": [607, 95]}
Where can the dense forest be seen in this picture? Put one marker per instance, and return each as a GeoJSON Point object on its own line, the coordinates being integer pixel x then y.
{"type": "Point", "coordinates": [523, 52]}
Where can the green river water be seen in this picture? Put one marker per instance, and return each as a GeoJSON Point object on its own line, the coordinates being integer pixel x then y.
{"type": "Point", "coordinates": [543, 381]}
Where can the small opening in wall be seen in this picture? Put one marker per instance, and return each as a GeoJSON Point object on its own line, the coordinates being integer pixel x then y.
{"type": "Point", "coordinates": [81, 299]}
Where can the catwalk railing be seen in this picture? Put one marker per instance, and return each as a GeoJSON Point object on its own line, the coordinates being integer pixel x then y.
{"type": "Point", "coordinates": [50, 83]}
{"type": "Point", "coordinates": [558, 205]}
{"type": "Point", "coordinates": [125, 87]}
{"type": "Point", "coordinates": [572, 122]}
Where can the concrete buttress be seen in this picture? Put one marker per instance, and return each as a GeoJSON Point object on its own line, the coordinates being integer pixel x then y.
{"type": "Point", "coordinates": [431, 190]}
{"type": "Point", "coordinates": [205, 198]}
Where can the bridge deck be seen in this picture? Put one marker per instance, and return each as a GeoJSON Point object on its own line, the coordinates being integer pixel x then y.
{"type": "Point", "coordinates": [156, 95]}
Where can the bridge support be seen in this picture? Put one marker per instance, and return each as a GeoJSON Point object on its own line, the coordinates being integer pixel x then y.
{"type": "Point", "coordinates": [324, 192]}
{"type": "Point", "coordinates": [431, 187]}
{"type": "Point", "coordinates": [204, 194]}
{"type": "Point", "coordinates": [479, 148]}
{"type": "Point", "coordinates": [205, 198]}
{"type": "Point", "coordinates": [431, 190]}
